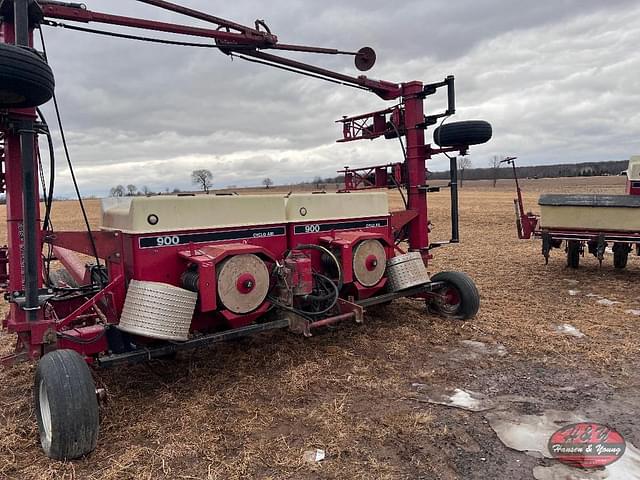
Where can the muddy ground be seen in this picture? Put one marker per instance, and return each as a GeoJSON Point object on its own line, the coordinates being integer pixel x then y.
{"type": "Point", "coordinates": [251, 408]}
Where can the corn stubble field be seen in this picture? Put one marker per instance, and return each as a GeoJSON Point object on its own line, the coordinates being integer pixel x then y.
{"type": "Point", "coordinates": [251, 408]}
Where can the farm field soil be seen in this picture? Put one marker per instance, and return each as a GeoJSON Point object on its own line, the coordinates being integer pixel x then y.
{"type": "Point", "coordinates": [251, 408]}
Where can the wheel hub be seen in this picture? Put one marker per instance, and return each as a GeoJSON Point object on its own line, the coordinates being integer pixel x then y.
{"type": "Point", "coordinates": [45, 412]}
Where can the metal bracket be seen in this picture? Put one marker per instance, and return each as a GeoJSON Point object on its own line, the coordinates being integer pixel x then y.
{"type": "Point", "coordinates": [349, 306]}
{"type": "Point", "coordinates": [19, 298]}
{"type": "Point", "coordinates": [600, 249]}
{"type": "Point", "coordinates": [298, 325]}
{"type": "Point", "coordinates": [546, 247]}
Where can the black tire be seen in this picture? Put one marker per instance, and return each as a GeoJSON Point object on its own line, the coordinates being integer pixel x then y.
{"type": "Point", "coordinates": [457, 134]}
{"type": "Point", "coordinates": [467, 293]}
{"type": "Point", "coordinates": [66, 405]}
{"type": "Point", "coordinates": [25, 78]}
{"type": "Point", "coordinates": [620, 255]}
{"type": "Point", "coordinates": [573, 253]}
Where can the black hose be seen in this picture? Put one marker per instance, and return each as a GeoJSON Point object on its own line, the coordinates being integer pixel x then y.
{"type": "Point", "coordinates": [325, 250]}
{"type": "Point", "coordinates": [52, 173]}
{"type": "Point", "coordinates": [335, 295]}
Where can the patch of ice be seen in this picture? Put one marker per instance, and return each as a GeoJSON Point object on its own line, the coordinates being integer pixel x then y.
{"type": "Point", "coordinates": [464, 399]}
{"type": "Point", "coordinates": [592, 295]}
{"type": "Point", "coordinates": [627, 468]}
{"type": "Point", "coordinates": [568, 329]}
{"type": "Point", "coordinates": [606, 302]}
{"type": "Point", "coordinates": [633, 312]}
{"type": "Point", "coordinates": [571, 281]}
{"type": "Point", "coordinates": [480, 347]}
{"type": "Point", "coordinates": [457, 397]}
{"type": "Point", "coordinates": [529, 433]}
{"type": "Point", "coordinates": [573, 293]}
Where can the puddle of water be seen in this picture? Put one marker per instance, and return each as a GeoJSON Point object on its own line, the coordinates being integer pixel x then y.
{"type": "Point", "coordinates": [571, 281]}
{"type": "Point", "coordinates": [568, 329]}
{"type": "Point", "coordinates": [573, 293]}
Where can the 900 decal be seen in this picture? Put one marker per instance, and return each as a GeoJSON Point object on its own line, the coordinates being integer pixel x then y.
{"type": "Point", "coordinates": [167, 241]}
{"type": "Point", "coordinates": [327, 227]}
{"type": "Point", "coordinates": [209, 237]}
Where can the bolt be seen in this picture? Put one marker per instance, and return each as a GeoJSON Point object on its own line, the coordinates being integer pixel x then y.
{"type": "Point", "coordinates": [101, 393]}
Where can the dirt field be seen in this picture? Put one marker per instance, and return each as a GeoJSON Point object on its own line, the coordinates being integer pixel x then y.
{"type": "Point", "coordinates": [249, 409]}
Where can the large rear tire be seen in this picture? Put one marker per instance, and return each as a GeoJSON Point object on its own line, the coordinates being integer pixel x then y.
{"type": "Point", "coordinates": [458, 299]}
{"type": "Point", "coordinates": [66, 405]}
{"type": "Point", "coordinates": [25, 78]}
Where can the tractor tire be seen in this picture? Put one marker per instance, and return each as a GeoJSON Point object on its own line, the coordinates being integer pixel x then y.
{"type": "Point", "coordinates": [461, 297]}
{"type": "Point", "coordinates": [573, 253]}
{"type": "Point", "coordinates": [457, 134]}
{"type": "Point", "coordinates": [25, 78]}
{"type": "Point", "coordinates": [66, 405]}
{"type": "Point", "coordinates": [620, 256]}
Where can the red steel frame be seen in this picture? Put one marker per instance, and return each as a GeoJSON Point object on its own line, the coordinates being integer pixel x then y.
{"type": "Point", "coordinates": [38, 328]}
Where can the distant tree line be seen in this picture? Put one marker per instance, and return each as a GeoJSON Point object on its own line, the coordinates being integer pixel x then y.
{"type": "Point", "coordinates": [133, 191]}
{"type": "Point", "coordinates": [203, 178]}
{"type": "Point", "coordinates": [495, 172]}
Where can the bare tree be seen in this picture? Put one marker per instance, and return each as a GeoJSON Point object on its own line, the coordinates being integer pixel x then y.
{"type": "Point", "coordinates": [146, 190]}
{"type": "Point", "coordinates": [494, 166]}
{"type": "Point", "coordinates": [267, 182]}
{"type": "Point", "coordinates": [464, 163]}
{"type": "Point", "coordinates": [317, 180]}
{"type": "Point", "coordinates": [131, 190]}
{"type": "Point", "coordinates": [203, 178]}
{"type": "Point", "coordinates": [117, 191]}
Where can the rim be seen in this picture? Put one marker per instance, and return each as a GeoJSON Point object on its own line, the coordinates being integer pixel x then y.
{"type": "Point", "coordinates": [450, 301]}
{"type": "Point", "coordinates": [45, 412]}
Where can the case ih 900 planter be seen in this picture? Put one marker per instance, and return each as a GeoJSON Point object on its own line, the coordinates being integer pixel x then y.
{"type": "Point", "coordinates": [172, 273]}
{"type": "Point", "coordinates": [592, 222]}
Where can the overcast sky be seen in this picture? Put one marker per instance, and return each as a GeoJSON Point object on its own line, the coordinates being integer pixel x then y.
{"type": "Point", "coordinates": [559, 80]}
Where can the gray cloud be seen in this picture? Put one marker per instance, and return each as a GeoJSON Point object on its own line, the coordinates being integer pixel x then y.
{"type": "Point", "coordinates": [558, 80]}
